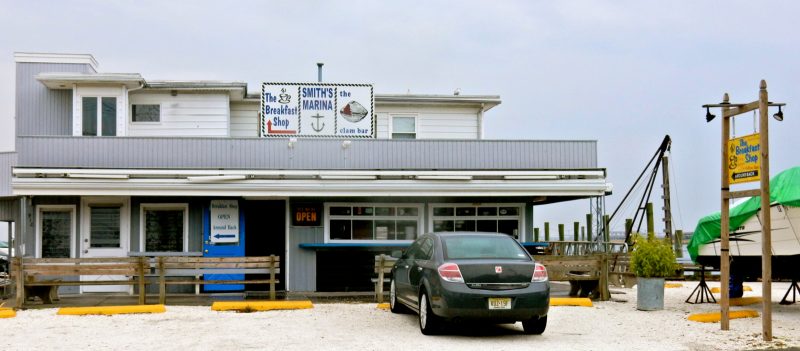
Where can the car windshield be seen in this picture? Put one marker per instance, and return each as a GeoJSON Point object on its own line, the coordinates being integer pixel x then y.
{"type": "Point", "coordinates": [481, 247]}
{"type": "Point", "coordinates": [3, 245]}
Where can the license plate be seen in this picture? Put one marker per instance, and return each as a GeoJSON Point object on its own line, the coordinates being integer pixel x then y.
{"type": "Point", "coordinates": [499, 303]}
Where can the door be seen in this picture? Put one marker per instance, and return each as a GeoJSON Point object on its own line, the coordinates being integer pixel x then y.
{"type": "Point", "coordinates": [266, 235]}
{"type": "Point", "coordinates": [417, 267]}
{"type": "Point", "coordinates": [401, 273]}
{"type": "Point", "coordinates": [223, 236]}
{"type": "Point", "coordinates": [105, 233]}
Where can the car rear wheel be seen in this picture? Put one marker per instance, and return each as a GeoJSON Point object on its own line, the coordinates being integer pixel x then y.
{"type": "Point", "coordinates": [428, 322]}
{"type": "Point", "coordinates": [535, 325]}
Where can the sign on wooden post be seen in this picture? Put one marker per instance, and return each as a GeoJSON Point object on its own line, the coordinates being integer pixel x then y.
{"type": "Point", "coordinates": [744, 160]}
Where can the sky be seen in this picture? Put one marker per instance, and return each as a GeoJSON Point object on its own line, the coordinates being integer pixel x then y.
{"type": "Point", "coordinates": [623, 73]}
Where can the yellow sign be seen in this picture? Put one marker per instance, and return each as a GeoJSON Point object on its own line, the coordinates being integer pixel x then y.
{"type": "Point", "coordinates": [744, 159]}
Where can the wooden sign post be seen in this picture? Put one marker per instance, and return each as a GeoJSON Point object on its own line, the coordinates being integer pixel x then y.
{"type": "Point", "coordinates": [730, 173]}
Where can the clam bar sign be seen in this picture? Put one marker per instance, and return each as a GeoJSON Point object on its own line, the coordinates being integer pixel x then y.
{"type": "Point", "coordinates": [224, 221]}
{"type": "Point", "coordinates": [317, 110]}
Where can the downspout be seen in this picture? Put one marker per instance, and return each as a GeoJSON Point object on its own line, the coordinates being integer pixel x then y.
{"type": "Point", "coordinates": [128, 109]}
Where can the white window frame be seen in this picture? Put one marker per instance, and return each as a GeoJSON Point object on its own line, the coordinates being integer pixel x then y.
{"type": "Point", "coordinates": [420, 218]}
{"type": "Point", "coordinates": [160, 114]}
{"type": "Point", "coordinates": [99, 113]}
{"type": "Point", "coordinates": [164, 207]}
{"type": "Point", "coordinates": [520, 216]}
{"type": "Point", "coordinates": [405, 115]}
{"type": "Point", "coordinates": [124, 217]}
{"type": "Point", "coordinates": [72, 232]}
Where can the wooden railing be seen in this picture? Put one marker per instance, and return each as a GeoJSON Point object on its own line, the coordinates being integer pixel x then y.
{"type": "Point", "coordinates": [32, 274]}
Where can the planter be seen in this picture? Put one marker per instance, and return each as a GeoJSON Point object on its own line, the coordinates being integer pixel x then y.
{"type": "Point", "coordinates": [649, 294]}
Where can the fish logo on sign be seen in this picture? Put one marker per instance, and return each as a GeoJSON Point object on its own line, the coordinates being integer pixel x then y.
{"type": "Point", "coordinates": [498, 269]}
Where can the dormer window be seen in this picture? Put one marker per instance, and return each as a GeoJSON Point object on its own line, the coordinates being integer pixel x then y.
{"type": "Point", "coordinates": [99, 116]}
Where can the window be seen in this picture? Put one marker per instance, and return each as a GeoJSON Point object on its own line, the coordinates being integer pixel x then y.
{"type": "Point", "coordinates": [165, 227]}
{"type": "Point", "coordinates": [104, 226]}
{"type": "Point", "coordinates": [373, 222]}
{"type": "Point", "coordinates": [404, 127]}
{"type": "Point", "coordinates": [503, 218]}
{"type": "Point", "coordinates": [99, 116]}
{"type": "Point", "coordinates": [55, 231]}
{"type": "Point", "coordinates": [146, 113]}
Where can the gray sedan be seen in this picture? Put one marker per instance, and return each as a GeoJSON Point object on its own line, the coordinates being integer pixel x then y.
{"type": "Point", "coordinates": [470, 276]}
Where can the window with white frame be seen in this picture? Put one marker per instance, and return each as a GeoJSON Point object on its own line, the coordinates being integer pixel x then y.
{"type": "Point", "coordinates": [165, 227]}
{"type": "Point", "coordinates": [373, 222]}
{"type": "Point", "coordinates": [501, 218]}
{"type": "Point", "coordinates": [145, 113]}
{"type": "Point", "coordinates": [404, 127]}
{"type": "Point", "coordinates": [99, 115]}
{"type": "Point", "coordinates": [56, 231]}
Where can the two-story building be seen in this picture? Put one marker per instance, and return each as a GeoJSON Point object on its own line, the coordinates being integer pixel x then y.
{"type": "Point", "coordinates": [109, 164]}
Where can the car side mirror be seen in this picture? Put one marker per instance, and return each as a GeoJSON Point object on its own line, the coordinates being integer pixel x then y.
{"type": "Point", "coordinates": [397, 254]}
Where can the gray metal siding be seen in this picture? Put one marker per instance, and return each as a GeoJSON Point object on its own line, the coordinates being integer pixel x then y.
{"type": "Point", "coordinates": [7, 161]}
{"type": "Point", "coordinates": [9, 210]}
{"type": "Point", "coordinates": [302, 263]}
{"type": "Point", "coordinates": [43, 111]}
{"type": "Point", "coordinates": [217, 153]}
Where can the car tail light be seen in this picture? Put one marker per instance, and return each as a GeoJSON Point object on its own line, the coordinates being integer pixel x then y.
{"type": "Point", "coordinates": [539, 274]}
{"type": "Point", "coordinates": [451, 273]}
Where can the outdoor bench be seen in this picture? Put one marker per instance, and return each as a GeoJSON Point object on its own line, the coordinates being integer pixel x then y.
{"type": "Point", "coordinates": [383, 268]}
{"type": "Point", "coordinates": [578, 269]}
{"type": "Point", "coordinates": [196, 268]}
{"type": "Point", "coordinates": [43, 276]}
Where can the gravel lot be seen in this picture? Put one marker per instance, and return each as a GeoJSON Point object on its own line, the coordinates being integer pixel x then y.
{"type": "Point", "coordinates": [612, 325]}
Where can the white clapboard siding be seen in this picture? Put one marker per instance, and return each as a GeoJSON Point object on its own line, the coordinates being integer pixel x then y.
{"type": "Point", "coordinates": [244, 119]}
{"type": "Point", "coordinates": [184, 115]}
{"type": "Point", "coordinates": [442, 122]}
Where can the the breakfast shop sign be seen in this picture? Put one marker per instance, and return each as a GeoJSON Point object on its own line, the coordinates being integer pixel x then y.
{"type": "Point", "coordinates": [317, 110]}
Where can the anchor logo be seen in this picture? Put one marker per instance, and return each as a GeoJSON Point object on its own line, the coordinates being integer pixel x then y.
{"type": "Point", "coordinates": [317, 128]}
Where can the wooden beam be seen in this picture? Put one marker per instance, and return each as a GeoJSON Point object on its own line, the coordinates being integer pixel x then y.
{"type": "Point", "coordinates": [730, 112]}
{"type": "Point", "coordinates": [725, 263]}
{"type": "Point", "coordinates": [766, 223]}
{"type": "Point", "coordinates": [744, 193]}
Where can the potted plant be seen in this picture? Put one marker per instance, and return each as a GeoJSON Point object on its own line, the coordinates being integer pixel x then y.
{"type": "Point", "coordinates": [652, 260]}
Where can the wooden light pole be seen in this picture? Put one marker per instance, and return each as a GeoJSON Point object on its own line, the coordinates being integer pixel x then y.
{"type": "Point", "coordinates": [729, 111]}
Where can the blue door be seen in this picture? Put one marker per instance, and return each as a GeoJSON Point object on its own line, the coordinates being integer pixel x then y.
{"type": "Point", "coordinates": [223, 236]}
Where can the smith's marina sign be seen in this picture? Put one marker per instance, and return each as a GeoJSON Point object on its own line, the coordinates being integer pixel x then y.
{"type": "Point", "coordinates": [317, 110]}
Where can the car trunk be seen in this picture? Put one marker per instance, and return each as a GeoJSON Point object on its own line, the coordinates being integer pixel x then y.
{"type": "Point", "coordinates": [496, 274]}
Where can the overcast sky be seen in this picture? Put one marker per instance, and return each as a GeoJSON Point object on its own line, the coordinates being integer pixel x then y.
{"type": "Point", "coordinates": [624, 73]}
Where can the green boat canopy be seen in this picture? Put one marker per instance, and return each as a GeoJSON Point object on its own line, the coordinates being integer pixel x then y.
{"type": "Point", "coordinates": [784, 189]}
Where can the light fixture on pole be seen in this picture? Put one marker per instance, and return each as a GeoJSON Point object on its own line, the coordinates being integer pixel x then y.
{"type": "Point", "coordinates": [709, 115]}
{"type": "Point", "coordinates": [778, 115]}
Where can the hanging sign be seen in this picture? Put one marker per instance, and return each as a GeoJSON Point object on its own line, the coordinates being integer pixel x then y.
{"type": "Point", "coordinates": [224, 221]}
{"type": "Point", "coordinates": [306, 215]}
{"type": "Point", "coordinates": [317, 110]}
{"type": "Point", "coordinates": [744, 159]}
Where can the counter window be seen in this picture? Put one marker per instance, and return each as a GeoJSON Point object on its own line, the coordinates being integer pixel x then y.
{"type": "Point", "coordinates": [477, 218]}
{"type": "Point", "coordinates": [372, 222]}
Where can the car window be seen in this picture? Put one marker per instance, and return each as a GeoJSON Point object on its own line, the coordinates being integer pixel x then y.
{"type": "Point", "coordinates": [478, 247]}
{"type": "Point", "coordinates": [425, 249]}
{"type": "Point", "coordinates": [412, 250]}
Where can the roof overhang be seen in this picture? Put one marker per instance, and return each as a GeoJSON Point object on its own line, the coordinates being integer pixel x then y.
{"type": "Point", "coordinates": [237, 90]}
{"type": "Point", "coordinates": [40, 57]}
{"type": "Point", "coordinates": [65, 80]}
{"type": "Point", "coordinates": [486, 102]}
{"type": "Point", "coordinates": [309, 183]}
